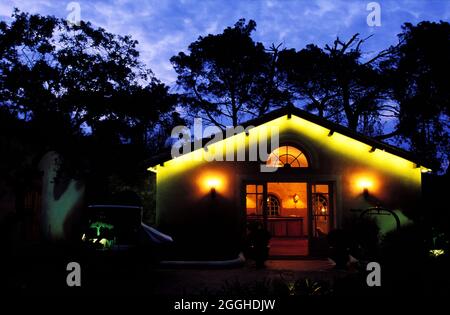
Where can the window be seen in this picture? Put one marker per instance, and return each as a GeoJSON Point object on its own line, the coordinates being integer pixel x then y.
{"type": "Point", "coordinates": [254, 198]}
{"type": "Point", "coordinates": [287, 156]}
{"type": "Point", "coordinates": [321, 210]}
{"type": "Point", "coordinates": [254, 202]}
{"type": "Point", "coordinates": [273, 205]}
{"type": "Point", "coordinates": [320, 204]}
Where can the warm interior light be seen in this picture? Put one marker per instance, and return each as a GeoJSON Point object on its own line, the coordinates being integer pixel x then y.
{"type": "Point", "coordinates": [296, 198]}
{"type": "Point", "coordinates": [323, 210]}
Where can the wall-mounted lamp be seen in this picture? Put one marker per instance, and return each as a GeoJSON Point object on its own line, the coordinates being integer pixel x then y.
{"type": "Point", "coordinates": [365, 184]}
{"type": "Point", "coordinates": [366, 193]}
{"type": "Point", "coordinates": [296, 198]}
{"type": "Point", "coordinates": [212, 184]}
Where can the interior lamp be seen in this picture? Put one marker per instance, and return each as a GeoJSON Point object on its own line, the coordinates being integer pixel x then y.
{"type": "Point", "coordinates": [296, 199]}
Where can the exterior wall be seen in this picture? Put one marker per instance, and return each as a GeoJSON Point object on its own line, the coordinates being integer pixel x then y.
{"type": "Point", "coordinates": [212, 224]}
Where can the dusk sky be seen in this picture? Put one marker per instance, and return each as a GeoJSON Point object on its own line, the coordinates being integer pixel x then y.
{"type": "Point", "coordinates": [164, 28]}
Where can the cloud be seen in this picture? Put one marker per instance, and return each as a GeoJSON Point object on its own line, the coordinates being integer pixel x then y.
{"type": "Point", "coordinates": [164, 28]}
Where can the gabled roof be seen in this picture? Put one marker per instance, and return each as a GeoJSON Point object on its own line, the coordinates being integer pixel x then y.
{"type": "Point", "coordinates": [291, 110]}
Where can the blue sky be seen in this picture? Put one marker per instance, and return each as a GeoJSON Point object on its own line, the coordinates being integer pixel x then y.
{"type": "Point", "coordinates": [165, 27]}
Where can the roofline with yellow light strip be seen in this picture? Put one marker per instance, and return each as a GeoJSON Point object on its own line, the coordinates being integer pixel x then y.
{"type": "Point", "coordinates": [288, 111]}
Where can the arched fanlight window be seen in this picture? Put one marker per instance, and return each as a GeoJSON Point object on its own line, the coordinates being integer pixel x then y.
{"type": "Point", "coordinates": [287, 156]}
{"type": "Point", "coordinates": [273, 205]}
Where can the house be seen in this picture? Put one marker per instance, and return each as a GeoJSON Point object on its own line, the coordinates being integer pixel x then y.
{"type": "Point", "coordinates": [313, 176]}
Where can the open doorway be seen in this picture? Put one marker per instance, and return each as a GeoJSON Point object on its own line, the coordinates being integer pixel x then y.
{"type": "Point", "coordinates": [283, 208]}
{"type": "Point", "coordinates": [298, 215]}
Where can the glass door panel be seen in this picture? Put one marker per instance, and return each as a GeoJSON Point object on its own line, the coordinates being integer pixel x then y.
{"type": "Point", "coordinates": [321, 207]}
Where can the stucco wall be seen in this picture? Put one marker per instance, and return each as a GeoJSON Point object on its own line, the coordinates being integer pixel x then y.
{"type": "Point", "coordinates": [187, 209]}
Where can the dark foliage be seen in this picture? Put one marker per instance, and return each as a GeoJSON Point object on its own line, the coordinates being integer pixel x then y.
{"type": "Point", "coordinates": [227, 77]}
{"type": "Point", "coordinates": [84, 93]}
{"type": "Point", "coordinates": [338, 83]}
{"type": "Point", "coordinates": [419, 78]}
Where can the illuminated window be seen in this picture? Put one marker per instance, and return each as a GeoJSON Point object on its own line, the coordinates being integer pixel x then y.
{"type": "Point", "coordinates": [273, 205]}
{"type": "Point", "coordinates": [287, 156]}
{"type": "Point", "coordinates": [321, 210]}
{"type": "Point", "coordinates": [254, 198]}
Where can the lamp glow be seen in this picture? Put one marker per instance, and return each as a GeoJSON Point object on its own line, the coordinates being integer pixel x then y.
{"type": "Point", "coordinates": [365, 183]}
{"type": "Point", "coordinates": [212, 183]}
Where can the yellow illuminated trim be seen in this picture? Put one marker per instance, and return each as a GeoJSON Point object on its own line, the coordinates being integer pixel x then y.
{"type": "Point", "coordinates": [378, 161]}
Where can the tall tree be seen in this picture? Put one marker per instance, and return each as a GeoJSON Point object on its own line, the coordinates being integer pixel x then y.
{"type": "Point", "coordinates": [228, 77]}
{"type": "Point", "coordinates": [308, 76]}
{"type": "Point", "coordinates": [420, 83]}
{"type": "Point", "coordinates": [81, 91]}
{"type": "Point", "coordinates": [338, 83]}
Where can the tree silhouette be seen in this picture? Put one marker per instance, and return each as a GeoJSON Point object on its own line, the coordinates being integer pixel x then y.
{"type": "Point", "coordinates": [419, 80]}
{"type": "Point", "coordinates": [82, 92]}
{"type": "Point", "coordinates": [406, 83]}
{"type": "Point", "coordinates": [338, 84]}
{"type": "Point", "coordinates": [227, 78]}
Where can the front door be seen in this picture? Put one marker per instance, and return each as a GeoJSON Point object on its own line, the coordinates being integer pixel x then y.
{"type": "Point", "coordinates": [283, 209]}
{"type": "Point", "coordinates": [298, 215]}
